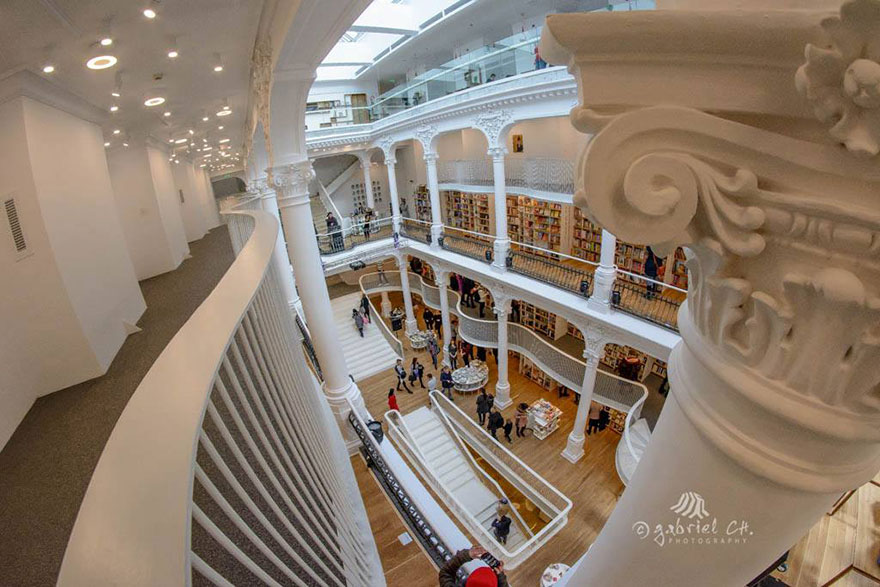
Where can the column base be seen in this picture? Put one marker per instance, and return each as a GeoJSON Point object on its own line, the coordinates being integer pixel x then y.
{"type": "Point", "coordinates": [502, 396]}
{"type": "Point", "coordinates": [436, 233]}
{"type": "Point", "coordinates": [412, 326]}
{"type": "Point", "coordinates": [499, 261]}
{"type": "Point", "coordinates": [574, 449]}
{"type": "Point", "coordinates": [603, 285]}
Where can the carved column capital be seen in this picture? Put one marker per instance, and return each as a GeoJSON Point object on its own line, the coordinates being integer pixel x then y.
{"type": "Point", "coordinates": [291, 182]}
{"type": "Point", "coordinates": [494, 125]}
{"type": "Point", "coordinates": [441, 276]}
{"type": "Point", "coordinates": [389, 149]}
{"type": "Point", "coordinates": [425, 135]}
{"type": "Point", "coordinates": [502, 300]}
{"type": "Point", "coordinates": [430, 157]}
{"type": "Point", "coordinates": [497, 153]}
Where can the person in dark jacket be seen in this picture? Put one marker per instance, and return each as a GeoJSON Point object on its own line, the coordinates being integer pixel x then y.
{"type": "Point", "coordinates": [479, 577]}
{"type": "Point", "coordinates": [401, 376]}
{"type": "Point", "coordinates": [496, 421]}
{"type": "Point", "coordinates": [358, 321]}
{"type": "Point", "coordinates": [466, 353]}
{"type": "Point", "coordinates": [501, 528]}
{"type": "Point", "coordinates": [428, 317]}
{"type": "Point", "coordinates": [652, 266]}
{"type": "Point", "coordinates": [446, 382]}
{"type": "Point", "coordinates": [482, 406]}
{"type": "Point", "coordinates": [365, 305]}
{"type": "Point", "coordinates": [508, 428]}
{"type": "Point", "coordinates": [453, 354]}
{"type": "Point", "coordinates": [417, 372]}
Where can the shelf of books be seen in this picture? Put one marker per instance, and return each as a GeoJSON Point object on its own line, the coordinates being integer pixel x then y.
{"type": "Point", "coordinates": [359, 193]}
{"type": "Point", "coordinates": [532, 372]}
{"type": "Point", "coordinates": [586, 238]}
{"type": "Point", "coordinates": [617, 420]}
{"type": "Point", "coordinates": [679, 270]}
{"type": "Point", "coordinates": [541, 321]}
{"type": "Point", "coordinates": [468, 211]}
{"type": "Point", "coordinates": [546, 225]}
{"type": "Point", "coordinates": [422, 201]}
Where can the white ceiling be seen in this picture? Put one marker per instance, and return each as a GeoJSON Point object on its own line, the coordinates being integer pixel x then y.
{"type": "Point", "coordinates": [65, 33]}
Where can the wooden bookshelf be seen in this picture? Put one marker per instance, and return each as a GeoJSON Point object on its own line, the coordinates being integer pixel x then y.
{"type": "Point", "coordinates": [541, 321]}
{"type": "Point", "coordinates": [422, 201]}
{"type": "Point", "coordinates": [532, 372]}
{"type": "Point", "coordinates": [586, 238]}
{"type": "Point", "coordinates": [539, 223]}
{"type": "Point", "coordinates": [679, 270]}
{"type": "Point", "coordinates": [468, 211]}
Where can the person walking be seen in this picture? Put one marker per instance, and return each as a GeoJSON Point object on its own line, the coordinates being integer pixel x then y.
{"type": "Point", "coordinates": [595, 412]}
{"type": "Point", "coordinates": [496, 421]}
{"type": "Point", "coordinates": [417, 372]}
{"type": "Point", "coordinates": [432, 383]}
{"type": "Point", "coordinates": [652, 270]}
{"type": "Point", "coordinates": [482, 406]}
{"type": "Point", "coordinates": [446, 382]}
{"type": "Point", "coordinates": [358, 321]}
{"type": "Point", "coordinates": [392, 400]}
{"type": "Point", "coordinates": [401, 376]}
{"type": "Point", "coordinates": [521, 420]}
{"type": "Point", "coordinates": [482, 298]}
{"type": "Point", "coordinates": [501, 528]}
{"type": "Point", "coordinates": [428, 317]}
{"type": "Point", "coordinates": [453, 354]}
{"type": "Point", "coordinates": [508, 428]}
{"type": "Point", "coordinates": [365, 306]}
{"type": "Point", "coordinates": [434, 350]}
{"type": "Point", "coordinates": [466, 353]}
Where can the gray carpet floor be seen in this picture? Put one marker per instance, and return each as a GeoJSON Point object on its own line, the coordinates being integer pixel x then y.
{"type": "Point", "coordinates": [46, 466]}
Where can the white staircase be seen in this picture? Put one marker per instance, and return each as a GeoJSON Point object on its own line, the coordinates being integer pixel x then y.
{"type": "Point", "coordinates": [365, 356]}
{"type": "Point", "coordinates": [639, 435]}
{"type": "Point", "coordinates": [446, 459]}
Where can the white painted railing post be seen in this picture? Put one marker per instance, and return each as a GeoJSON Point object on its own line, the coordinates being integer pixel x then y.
{"type": "Point", "coordinates": [502, 387]}
{"type": "Point", "coordinates": [291, 184]}
{"type": "Point", "coordinates": [412, 324]}
{"type": "Point", "coordinates": [594, 345]}
{"type": "Point", "coordinates": [442, 280]}
{"type": "Point", "coordinates": [605, 274]}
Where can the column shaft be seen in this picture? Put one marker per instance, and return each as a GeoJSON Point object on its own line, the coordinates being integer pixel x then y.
{"type": "Point", "coordinates": [411, 323]}
{"type": "Point", "coordinates": [269, 203]}
{"type": "Point", "coordinates": [444, 313]}
{"type": "Point", "coordinates": [434, 191]}
{"type": "Point", "coordinates": [390, 162]}
{"type": "Point", "coordinates": [605, 274]}
{"type": "Point", "coordinates": [574, 448]}
{"type": "Point", "coordinates": [502, 387]}
{"type": "Point", "coordinates": [502, 241]}
{"type": "Point", "coordinates": [368, 183]}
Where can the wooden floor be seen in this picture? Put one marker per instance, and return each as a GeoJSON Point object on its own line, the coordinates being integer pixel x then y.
{"type": "Point", "coordinates": [591, 484]}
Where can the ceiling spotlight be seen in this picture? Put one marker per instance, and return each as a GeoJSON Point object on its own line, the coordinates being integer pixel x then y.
{"type": "Point", "coordinates": [114, 108]}
{"type": "Point", "coordinates": [170, 140]}
{"type": "Point", "coordinates": [101, 62]}
{"type": "Point", "coordinates": [207, 149]}
{"type": "Point", "coordinates": [177, 161]}
{"type": "Point", "coordinates": [48, 68]}
{"type": "Point", "coordinates": [180, 141]}
{"type": "Point", "coordinates": [150, 13]}
{"type": "Point", "coordinates": [167, 114]}
{"type": "Point", "coordinates": [224, 113]}
{"type": "Point", "coordinates": [107, 144]}
{"type": "Point", "coordinates": [115, 94]}
{"type": "Point", "coordinates": [226, 108]}
{"type": "Point", "coordinates": [106, 42]}
{"type": "Point", "coordinates": [116, 131]}
{"type": "Point", "coordinates": [173, 54]}
{"type": "Point", "coordinates": [224, 140]}
{"type": "Point", "coordinates": [220, 127]}
{"type": "Point", "coordinates": [203, 165]}
{"type": "Point", "coordinates": [218, 63]}
{"type": "Point", "coordinates": [191, 131]}
{"type": "Point", "coordinates": [124, 144]}
{"type": "Point", "coordinates": [149, 102]}
{"type": "Point", "coordinates": [218, 68]}
{"type": "Point", "coordinates": [205, 119]}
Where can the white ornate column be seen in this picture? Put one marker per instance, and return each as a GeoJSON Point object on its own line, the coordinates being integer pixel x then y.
{"type": "Point", "coordinates": [502, 386]}
{"type": "Point", "coordinates": [594, 346]}
{"type": "Point", "coordinates": [426, 136]}
{"type": "Point", "coordinates": [605, 274]}
{"type": "Point", "coordinates": [774, 408]}
{"type": "Point", "coordinates": [412, 324]}
{"type": "Point", "coordinates": [441, 278]}
{"type": "Point", "coordinates": [388, 148]}
{"type": "Point", "coordinates": [386, 305]}
{"type": "Point", "coordinates": [292, 187]}
{"type": "Point", "coordinates": [269, 203]}
{"type": "Point", "coordinates": [366, 165]}
{"type": "Point", "coordinates": [494, 125]}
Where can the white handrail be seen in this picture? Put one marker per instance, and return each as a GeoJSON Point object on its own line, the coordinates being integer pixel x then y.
{"type": "Point", "coordinates": [416, 220]}
{"type": "Point", "coordinates": [386, 332]}
{"type": "Point", "coordinates": [634, 413]}
{"type": "Point", "coordinates": [464, 230]}
{"type": "Point", "coordinates": [344, 231]}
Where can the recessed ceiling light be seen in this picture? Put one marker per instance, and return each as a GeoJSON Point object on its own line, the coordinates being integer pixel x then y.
{"type": "Point", "coordinates": [167, 114]}
{"type": "Point", "coordinates": [124, 144]}
{"type": "Point", "coordinates": [170, 140]}
{"type": "Point", "coordinates": [224, 140]}
{"type": "Point", "coordinates": [202, 165]}
{"type": "Point", "coordinates": [150, 13]}
{"type": "Point", "coordinates": [115, 93]}
{"type": "Point", "coordinates": [177, 161]}
{"type": "Point", "coordinates": [116, 131]}
{"type": "Point", "coordinates": [101, 62]}
{"type": "Point", "coordinates": [106, 42]}
{"type": "Point", "coordinates": [180, 141]}
{"type": "Point", "coordinates": [226, 108]}
{"type": "Point", "coordinates": [173, 54]}
{"type": "Point", "coordinates": [224, 113]}
{"type": "Point", "coordinates": [107, 144]}
{"type": "Point", "coordinates": [207, 149]}
{"type": "Point", "coordinates": [220, 127]}
{"type": "Point", "coordinates": [218, 68]}
{"type": "Point", "coordinates": [205, 119]}
{"type": "Point", "coordinates": [114, 108]}
{"type": "Point", "coordinates": [48, 68]}
{"type": "Point", "coordinates": [149, 102]}
{"type": "Point", "coordinates": [192, 132]}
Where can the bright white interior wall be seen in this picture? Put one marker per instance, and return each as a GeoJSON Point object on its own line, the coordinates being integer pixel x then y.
{"type": "Point", "coordinates": [191, 210]}
{"type": "Point", "coordinates": [42, 345]}
{"type": "Point", "coordinates": [76, 198]}
{"type": "Point", "coordinates": [138, 208]}
{"type": "Point", "coordinates": [169, 204]}
{"type": "Point", "coordinates": [210, 209]}
{"type": "Point", "coordinates": [410, 170]}
{"type": "Point", "coordinates": [547, 137]}
{"type": "Point", "coordinates": [343, 196]}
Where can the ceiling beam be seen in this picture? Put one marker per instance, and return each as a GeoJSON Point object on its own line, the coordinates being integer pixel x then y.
{"type": "Point", "coordinates": [382, 29]}
{"type": "Point", "coordinates": [344, 63]}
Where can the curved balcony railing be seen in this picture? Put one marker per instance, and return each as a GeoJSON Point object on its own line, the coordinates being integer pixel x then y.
{"type": "Point", "coordinates": [610, 390]}
{"type": "Point", "coordinates": [419, 230]}
{"type": "Point", "coordinates": [647, 298]}
{"type": "Point", "coordinates": [226, 460]}
{"type": "Point", "coordinates": [532, 174]}
{"type": "Point", "coordinates": [341, 240]}
{"type": "Point", "coordinates": [372, 282]}
{"type": "Point", "coordinates": [556, 269]}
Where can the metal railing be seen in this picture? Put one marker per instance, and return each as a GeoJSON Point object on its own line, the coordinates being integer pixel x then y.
{"type": "Point", "coordinates": [534, 174]}
{"type": "Point", "coordinates": [415, 229]}
{"type": "Point", "coordinates": [556, 269]}
{"type": "Point", "coordinates": [468, 243]}
{"type": "Point", "coordinates": [424, 532]}
{"type": "Point", "coordinates": [647, 298]}
{"type": "Point", "coordinates": [340, 240]}
{"type": "Point", "coordinates": [375, 282]}
{"type": "Point", "coordinates": [226, 460]}
{"type": "Point", "coordinates": [309, 348]}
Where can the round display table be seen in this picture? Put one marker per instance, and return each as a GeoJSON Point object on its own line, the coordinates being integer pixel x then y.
{"type": "Point", "coordinates": [420, 339]}
{"type": "Point", "coordinates": [553, 574]}
{"type": "Point", "coordinates": [471, 378]}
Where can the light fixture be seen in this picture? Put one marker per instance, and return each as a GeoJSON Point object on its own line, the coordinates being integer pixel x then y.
{"type": "Point", "coordinates": [205, 119]}
{"type": "Point", "coordinates": [192, 132]}
{"type": "Point", "coordinates": [48, 68]}
{"type": "Point", "coordinates": [207, 149]}
{"type": "Point", "coordinates": [117, 87]}
{"type": "Point", "coordinates": [114, 108]}
{"type": "Point", "coordinates": [177, 161]}
{"type": "Point", "coordinates": [218, 63]}
{"type": "Point", "coordinates": [107, 144]}
{"type": "Point", "coordinates": [180, 141]}
{"type": "Point", "coordinates": [223, 141]}
{"type": "Point", "coordinates": [218, 68]}
{"type": "Point", "coordinates": [173, 54]}
{"type": "Point", "coordinates": [124, 144]}
{"type": "Point", "coordinates": [101, 62]}
{"type": "Point", "coordinates": [224, 113]}
{"type": "Point", "coordinates": [150, 102]}
{"type": "Point", "coordinates": [150, 13]}
{"type": "Point", "coordinates": [202, 165]}
{"type": "Point", "coordinates": [106, 42]}
{"type": "Point", "coordinates": [170, 140]}
{"type": "Point", "coordinates": [226, 108]}
{"type": "Point", "coordinates": [167, 114]}
{"type": "Point", "coordinates": [116, 131]}
{"type": "Point", "coordinates": [220, 127]}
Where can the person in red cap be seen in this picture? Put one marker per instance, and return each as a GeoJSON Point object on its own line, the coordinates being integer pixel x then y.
{"type": "Point", "coordinates": [479, 577]}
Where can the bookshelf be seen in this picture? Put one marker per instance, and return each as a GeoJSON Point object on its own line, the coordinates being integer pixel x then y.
{"type": "Point", "coordinates": [541, 321]}
{"type": "Point", "coordinates": [468, 211]}
{"type": "Point", "coordinates": [679, 270]}
{"type": "Point", "coordinates": [422, 200]}
{"type": "Point", "coordinates": [532, 372]}
{"type": "Point", "coordinates": [359, 193]}
{"type": "Point", "coordinates": [586, 238]}
{"type": "Point", "coordinates": [539, 223]}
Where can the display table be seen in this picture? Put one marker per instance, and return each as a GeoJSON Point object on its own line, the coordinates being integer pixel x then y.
{"type": "Point", "coordinates": [420, 339]}
{"type": "Point", "coordinates": [553, 574]}
{"type": "Point", "coordinates": [472, 377]}
{"type": "Point", "coordinates": [543, 418]}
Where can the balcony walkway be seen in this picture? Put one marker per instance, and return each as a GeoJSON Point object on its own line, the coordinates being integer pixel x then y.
{"type": "Point", "coordinates": [46, 466]}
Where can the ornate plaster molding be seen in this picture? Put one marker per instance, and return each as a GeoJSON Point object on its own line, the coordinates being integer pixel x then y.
{"type": "Point", "coordinates": [261, 83]}
{"type": "Point", "coordinates": [494, 124]}
{"type": "Point", "coordinates": [842, 82]}
{"type": "Point", "coordinates": [387, 144]}
{"type": "Point", "coordinates": [425, 135]}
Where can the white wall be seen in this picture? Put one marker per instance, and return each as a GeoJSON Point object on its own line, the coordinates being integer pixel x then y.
{"type": "Point", "coordinates": [548, 137]}
{"type": "Point", "coordinates": [76, 198]}
{"type": "Point", "coordinates": [210, 208]}
{"type": "Point", "coordinates": [343, 197]}
{"type": "Point", "coordinates": [191, 210]}
{"type": "Point", "coordinates": [410, 170]}
{"type": "Point", "coordinates": [152, 226]}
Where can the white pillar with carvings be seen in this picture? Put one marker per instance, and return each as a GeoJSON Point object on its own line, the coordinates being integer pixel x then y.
{"type": "Point", "coordinates": [368, 179]}
{"type": "Point", "coordinates": [292, 188]}
{"type": "Point", "coordinates": [386, 305]}
{"type": "Point", "coordinates": [269, 203]}
{"type": "Point", "coordinates": [502, 241]}
{"type": "Point", "coordinates": [502, 386]}
{"type": "Point", "coordinates": [412, 324]}
{"type": "Point", "coordinates": [441, 277]}
{"type": "Point", "coordinates": [605, 274]}
{"type": "Point", "coordinates": [434, 191]}
{"type": "Point", "coordinates": [390, 163]}
{"type": "Point", "coordinates": [594, 346]}
{"type": "Point", "coordinates": [773, 411]}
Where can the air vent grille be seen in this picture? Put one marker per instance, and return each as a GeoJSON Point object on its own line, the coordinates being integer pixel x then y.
{"type": "Point", "coordinates": [15, 226]}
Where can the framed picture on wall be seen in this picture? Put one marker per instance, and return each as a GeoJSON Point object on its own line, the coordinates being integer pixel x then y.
{"type": "Point", "coordinates": [517, 143]}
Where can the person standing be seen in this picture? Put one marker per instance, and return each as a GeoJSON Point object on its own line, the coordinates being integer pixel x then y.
{"type": "Point", "coordinates": [595, 412]}
{"type": "Point", "coordinates": [428, 317]}
{"type": "Point", "coordinates": [482, 297]}
{"type": "Point", "coordinates": [652, 266]}
{"type": "Point", "coordinates": [446, 382]}
{"type": "Point", "coordinates": [466, 353]}
{"type": "Point", "coordinates": [365, 306]}
{"type": "Point", "coordinates": [501, 528]}
{"type": "Point", "coordinates": [481, 353]}
{"type": "Point", "coordinates": [496, 421]}
{"type": "Point", "coordinates": [434, 350]}
{"type": "Point", "coordinates": [508, 428]}
{"type": "Point", "coordinates": [453, 354]}
{"type": "Point", "coordinates": [401, 376]}
{"type": "Point", "coordinates": [417, 372]}
{"type": "Point", "coordinates": [392, 400]}
{"type": "Point", "coordinates": [521, 420]}
{"type": "Point", "coordinates": [482, 406]}
{"type": "Point", "coordinates": [358, 321]}
{"type": "Point", "coordinates": [432, 383]}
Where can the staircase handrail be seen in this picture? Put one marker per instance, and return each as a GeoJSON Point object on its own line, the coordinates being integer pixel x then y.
{"type": "Point", "coordinates": [631, 418]}
{"type": "Point", "coordinates": [557, 522]}
{"type": "Point", "coordinates": [376, 317]}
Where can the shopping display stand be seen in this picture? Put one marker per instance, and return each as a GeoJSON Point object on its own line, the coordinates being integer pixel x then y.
{"type": "Point", "coordinates": [543, 418]}
{"type": "Point", "coordinates": [471, 378]}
